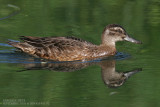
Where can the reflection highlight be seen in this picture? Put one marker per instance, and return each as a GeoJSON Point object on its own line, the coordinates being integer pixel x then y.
{"type": "Point", "coordinates": [109, 75]}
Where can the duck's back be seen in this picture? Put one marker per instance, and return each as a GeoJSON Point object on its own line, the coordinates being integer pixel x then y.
{"type": "Point", "coordinates": [55, 48]}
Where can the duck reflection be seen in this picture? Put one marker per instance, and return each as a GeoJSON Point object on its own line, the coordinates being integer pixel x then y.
{"type": "Point", "coordinates": [108, 71]}
{"type": "Point", "coordinates": [112, 78]}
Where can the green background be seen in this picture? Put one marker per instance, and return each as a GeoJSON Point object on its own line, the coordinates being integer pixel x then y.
{"type": "Point", "coordinates": [85, 19]}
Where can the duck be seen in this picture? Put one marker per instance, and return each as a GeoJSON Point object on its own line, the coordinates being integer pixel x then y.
{"type": "Point", "coordinates": [71, 48]}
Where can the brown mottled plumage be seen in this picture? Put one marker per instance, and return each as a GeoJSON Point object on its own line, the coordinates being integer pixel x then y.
{"type": "Point", "coordinates": [72, 48]}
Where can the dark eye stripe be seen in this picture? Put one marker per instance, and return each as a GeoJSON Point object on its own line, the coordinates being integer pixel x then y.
{"type": "Point", "coordinates": [118, 30]}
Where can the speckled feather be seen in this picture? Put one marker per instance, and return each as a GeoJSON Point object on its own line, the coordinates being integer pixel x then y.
{"type": "Point", "coordinates": [58, 48]}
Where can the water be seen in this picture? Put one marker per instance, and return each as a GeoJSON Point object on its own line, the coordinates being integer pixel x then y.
{"type": "Point", "coordinates": [25, 79]}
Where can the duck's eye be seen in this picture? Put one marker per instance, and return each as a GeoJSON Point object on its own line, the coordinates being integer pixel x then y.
{"type": "Point", "coordinates": [120, 31]}
{"type": "Point", "coordinates": [123, 37]}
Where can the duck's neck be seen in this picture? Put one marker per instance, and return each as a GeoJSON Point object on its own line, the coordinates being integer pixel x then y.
{"type": "Point", "coordinates": [108, 43]}
{"type": "Point", "coordinates": [107, 40]}
{"type": "Point", "coordinates": [110, 48]}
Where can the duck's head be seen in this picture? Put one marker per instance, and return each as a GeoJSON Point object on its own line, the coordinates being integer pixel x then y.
{"type": "Point", "coordinates": [113, 33]}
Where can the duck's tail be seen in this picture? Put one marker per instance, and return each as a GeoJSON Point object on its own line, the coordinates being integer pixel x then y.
{"type": "Point", "coordinates": [14, 44]}
{"type": "Point", "coordinates": [22, 46]}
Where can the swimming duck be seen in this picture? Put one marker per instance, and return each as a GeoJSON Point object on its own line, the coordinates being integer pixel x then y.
{"type": "Point", "coordinates": [72, 48]}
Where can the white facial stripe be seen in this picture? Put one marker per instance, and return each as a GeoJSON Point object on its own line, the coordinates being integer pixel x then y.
{"type": "Point", "coordinates": [107, 31]}
{"type": "Point", "coordinates": [118, 29]}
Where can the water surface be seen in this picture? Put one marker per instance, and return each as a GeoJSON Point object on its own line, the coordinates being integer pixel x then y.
{"type": "Point", "coordinates": [27, 79]}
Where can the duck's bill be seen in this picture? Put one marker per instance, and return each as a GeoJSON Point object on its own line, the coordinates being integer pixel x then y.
{"type": "Point", "coordinates": [130, 73]}
{"type": "Point", "coordinates": [129, 39]}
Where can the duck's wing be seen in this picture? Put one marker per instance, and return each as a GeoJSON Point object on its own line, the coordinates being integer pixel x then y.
{"type": "Point", "coordinates": [50, 42]}
{"type": "Point", "coordinates": [41, 41]}
{"type": "Point", "coordinates": [53, 47]}
{"type": "Point", "coordinates": [79, 40]}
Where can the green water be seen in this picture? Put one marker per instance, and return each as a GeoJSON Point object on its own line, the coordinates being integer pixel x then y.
{"type": "Point", "coordinates": [84, 86]}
